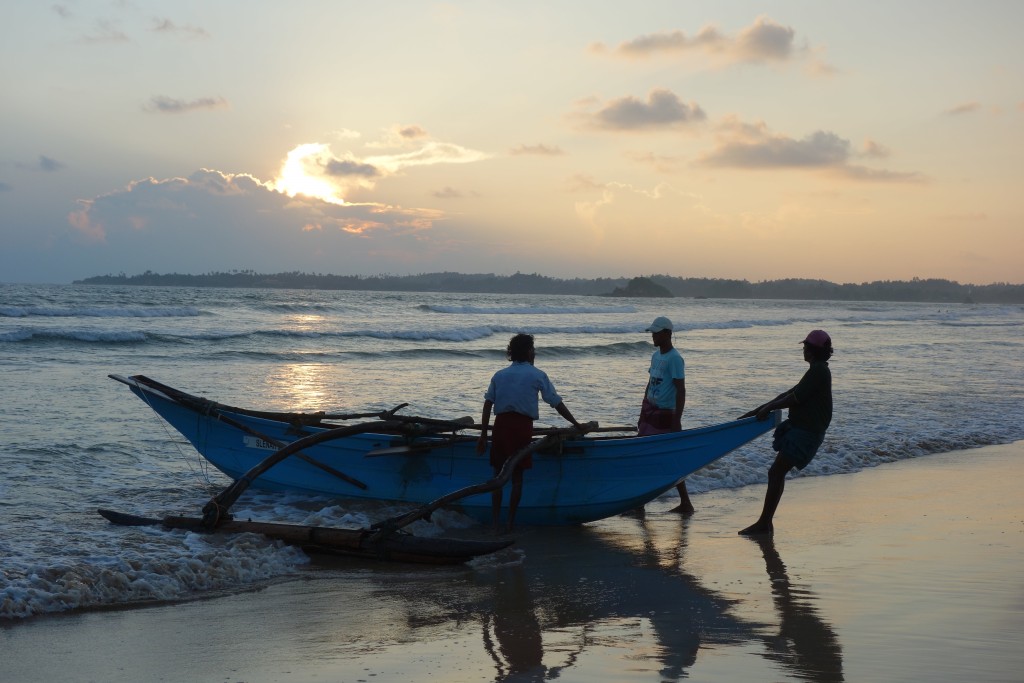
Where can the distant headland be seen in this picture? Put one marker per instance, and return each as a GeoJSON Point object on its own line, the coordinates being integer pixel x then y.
{"type": "Point", "coordinates": [930, 290]}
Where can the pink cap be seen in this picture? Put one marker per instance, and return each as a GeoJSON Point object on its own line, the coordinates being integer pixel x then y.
{"type": "Point", "coordinates": [818, 338]}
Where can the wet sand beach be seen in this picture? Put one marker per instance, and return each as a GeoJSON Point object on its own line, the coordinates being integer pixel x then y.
{"type": "Point", "coordinates": [904, 572]}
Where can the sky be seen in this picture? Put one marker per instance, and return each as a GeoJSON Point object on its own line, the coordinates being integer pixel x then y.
{"type": "Point", "coordinates": [850, 142]}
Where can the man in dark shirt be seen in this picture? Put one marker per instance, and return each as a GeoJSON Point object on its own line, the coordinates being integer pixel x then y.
{"type": "Point", "coordinates": [797, 439]}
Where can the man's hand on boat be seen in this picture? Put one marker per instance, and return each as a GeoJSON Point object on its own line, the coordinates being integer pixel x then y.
{"type": "Point", "coordinates": [579, 428]}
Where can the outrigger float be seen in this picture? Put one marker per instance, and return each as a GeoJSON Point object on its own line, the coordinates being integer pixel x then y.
{"type": "Point", "coordinates": [578, 475]}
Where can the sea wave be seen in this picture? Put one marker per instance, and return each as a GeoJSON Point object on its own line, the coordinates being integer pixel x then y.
{"type": "Point", "coordinates": [149, 565]}
{"type": "Point", "coordinates": [298, 307]}
{"type": "Point", "coordinates": [81, 336]}
{"type": "Point", "coordinates": [441, 334]}
{"type": "Point", "coordinates": [169, 566]}
{"type": "Point", "coordinates": [437, 353]}
{"type": "Point", "coordinates": [98, 312]}
{"type": "Point", "coordinates": [524, 310]}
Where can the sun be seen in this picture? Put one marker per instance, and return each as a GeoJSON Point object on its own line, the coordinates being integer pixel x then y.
{"type": "Point", "coordinates": [294, 178]}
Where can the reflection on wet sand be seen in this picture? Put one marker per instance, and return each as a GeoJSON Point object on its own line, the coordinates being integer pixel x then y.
{"type": "Point", "coordinates": [567, 597]}
{"type": "Point", "coordinates": [805, 644]}
{"type": "Point", "coordinates": [513, 623]}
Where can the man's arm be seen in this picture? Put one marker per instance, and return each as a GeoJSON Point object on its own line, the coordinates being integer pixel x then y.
{"type": "Point", "coordinates": [485, 419]}
{"type": "Point", "coordinates": [677, 418]}
{"type": "Point", "coordinates": [564, 412]}
{"type": "Point", "coordinates": [786, 399]}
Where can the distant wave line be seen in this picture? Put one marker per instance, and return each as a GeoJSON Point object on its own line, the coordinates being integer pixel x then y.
{"type": "Point", "coordinates": [435, 352]}
{"type": "Point", "coordinates": [525, 310]}
{"type": "Point", "coordinates": [90, 336]}
{"type": "Point", "coordinates": [452, 335]}
{"type": "Point", "coordinates": [93, 312]}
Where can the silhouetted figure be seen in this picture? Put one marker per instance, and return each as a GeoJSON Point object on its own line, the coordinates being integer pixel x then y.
{"type": "Point", "coordinates": [796, 440]}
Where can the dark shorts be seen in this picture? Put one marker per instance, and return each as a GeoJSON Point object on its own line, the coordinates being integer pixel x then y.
{"type": "Point", "coordinates": [798, 445]}
{"type": "Point", "coordinates": [512, 433]}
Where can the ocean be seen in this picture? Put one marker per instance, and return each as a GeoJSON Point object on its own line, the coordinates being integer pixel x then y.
{"type": "Point", "coordinates": [909, 380]}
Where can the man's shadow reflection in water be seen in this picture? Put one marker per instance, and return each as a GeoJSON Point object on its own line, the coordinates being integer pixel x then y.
{"type": "Point", "coordinates": [805, 644]}
{"type": "Point", "coordinates": [618, 576]}
{"type": "Point", "coordinates": [514, 625]}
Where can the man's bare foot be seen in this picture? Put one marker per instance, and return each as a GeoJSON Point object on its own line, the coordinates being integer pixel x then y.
{"type": "Point", "coordinates": [683, 510]}
{"type": "Point", "coordinates": [757, 530]}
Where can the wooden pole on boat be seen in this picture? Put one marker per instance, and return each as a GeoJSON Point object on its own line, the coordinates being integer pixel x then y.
{"type": "Point", "coordinates": [408, 449]}
{"type": "Point", "coordinates": [280, 444]}
{"type": "Point", "coordinates": [216, 510]}
{"type": "Point", "coordinates": [389, 526]}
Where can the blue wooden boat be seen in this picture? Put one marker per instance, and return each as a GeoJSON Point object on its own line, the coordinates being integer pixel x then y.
{"type": "Point", "coordinates": [418, 460]}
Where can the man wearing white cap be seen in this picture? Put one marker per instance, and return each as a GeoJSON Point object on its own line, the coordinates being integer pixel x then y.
{"type": "Point", "coordinates": [665, 395]}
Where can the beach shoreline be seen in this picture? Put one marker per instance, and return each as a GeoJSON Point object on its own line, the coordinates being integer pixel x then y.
{"type": "Point", "coordinates": [903, 572]}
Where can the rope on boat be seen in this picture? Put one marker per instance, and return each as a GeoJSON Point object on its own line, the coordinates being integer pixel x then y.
{"type": "Point", "coordinates": [200, 469]}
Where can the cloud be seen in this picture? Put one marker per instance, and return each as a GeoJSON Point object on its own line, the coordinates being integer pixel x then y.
{"type": "Point", "coordinates": [429, 153]}
{"type": "Point", "coordinates": [61, 10]}
{"type": "Point", "coordinates": [708, 39]}
{"type": "Point", "coordinates": [106, 32]}
{"type": "Point", "coordinates": [753, 146]}
{"type": "Point", "coordinates": [188, 30]}
{"type": "Point", "coordinates": [44, 163]}
{"type": "Point", "coordinates": [346, 134]}
{"type": "Point", "coordinates": [6, 187]}
{"type": "Point", "coordinates": [225, 211]}
{"type": "Point", "coordinates": [452, 193]}
{"type": "Point", "coordinates": [965, 108]}
{"type": "Point", "coordinates": [764, 41]}
{"type": "Point", "coordinates": [854, 172]}
{"type": "Point", "coordinates": [663, 110]}
{"type": "Point", "coordinates": [411, 132]}
{"type": "Point", "coordinates": [346, 168]}
{"type": "Point", "coordinates": [168, 105]}
{"type": "Point", "coordinates": [401, 136]}
{"type": "Point", "coordinates": [315, 170]}
{"type": "Point", "coordinates": [214, 221]}
{"type": "Point", "coordinates": [874, 150]}
{"type": "Point", "coordinates": [743, 145]}
{"type": "Point", "coordinates": [662, 163]}
{"type": "Point", "coordinates": [538, 150]}
{"type": "Point", "coordinates": [49, 165]}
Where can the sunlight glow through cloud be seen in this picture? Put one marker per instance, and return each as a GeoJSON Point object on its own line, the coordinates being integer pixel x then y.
{"type": "Point", "coordinates": [314, 170]}
{"type": "Point", "coordinates": [295, 179]}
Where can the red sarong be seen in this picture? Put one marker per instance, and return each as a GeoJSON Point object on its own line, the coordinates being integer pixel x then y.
{"type": "Point", "coordinates": [655, 420]}
{"type": "Point", "coordinates": [512, 433]}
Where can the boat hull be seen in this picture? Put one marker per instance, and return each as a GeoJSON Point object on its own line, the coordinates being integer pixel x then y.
{"type": "Point", "coordinates": [584, 479]}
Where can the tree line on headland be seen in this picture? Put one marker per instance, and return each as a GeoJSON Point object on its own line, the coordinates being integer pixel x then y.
{"type": "Point", "coordinates": [925, 290]}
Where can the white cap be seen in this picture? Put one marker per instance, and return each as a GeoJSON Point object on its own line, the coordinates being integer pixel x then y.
{"type": "Point", "coordinates": [660, 323]}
